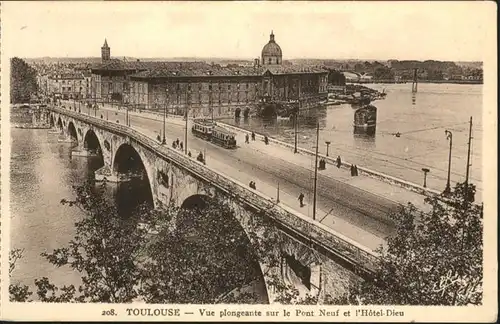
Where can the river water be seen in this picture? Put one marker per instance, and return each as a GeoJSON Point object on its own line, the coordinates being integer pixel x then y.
{"type": "Point", "coordinates": [420, 118]}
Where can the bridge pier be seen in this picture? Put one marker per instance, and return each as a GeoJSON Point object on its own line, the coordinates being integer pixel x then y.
{"type": "Point", "coordinates": [65, 138]}
{"type": "Point", "coordinates": [54, 130]}
{"type": "Point", "coordinates": [83, 152]}
{"type": "Point", "coordinates": [107, 174]}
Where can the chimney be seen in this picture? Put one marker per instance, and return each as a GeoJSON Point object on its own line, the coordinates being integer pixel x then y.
{"type": "Point", "coordinates": [256, 62]}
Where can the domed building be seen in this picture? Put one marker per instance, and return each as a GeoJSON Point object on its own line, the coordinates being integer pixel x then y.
{"type": "Point", "coordinates": [206, 89]}
{"type": "Point", "coordinates": [271, 53]}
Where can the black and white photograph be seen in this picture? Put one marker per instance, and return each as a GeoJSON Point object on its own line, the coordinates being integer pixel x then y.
{"type": "Point", "coordinates": [326, 161]}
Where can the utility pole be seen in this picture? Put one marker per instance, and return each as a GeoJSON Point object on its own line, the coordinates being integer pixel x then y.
{"type": "Point", "coordinates": [210, 102]}
{"type": "Point", "coordinates": [186, 130]}
{"type": "Point", "coordinates": [164, 141]}
{"type": "Point", "coordinates": [296, 122]}
{"type": "Point", "coordinates": [449, 136]}
{"type": "Point", "coordinates": [468, 161]}
{"type": "Point", "coordinates": [315, 172]}
{"type": "Point", "coordinates": [414, 83]}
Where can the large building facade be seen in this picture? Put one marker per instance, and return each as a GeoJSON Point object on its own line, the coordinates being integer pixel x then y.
{"type": "Point", "coordinates": [205, 88]}
{"type": "Point", "coordinates": [66, 85]}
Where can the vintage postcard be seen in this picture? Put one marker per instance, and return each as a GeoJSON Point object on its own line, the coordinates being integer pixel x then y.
{"type": "Point", "coordinates": [254, 161]}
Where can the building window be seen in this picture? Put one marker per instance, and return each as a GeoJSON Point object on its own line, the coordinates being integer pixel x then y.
{"type": "Point", "coordinates": [247, 85]}
{"type": "Point", "coordinates": [210, 87]}
{"type": "Point", "coordinates": [270, 61]}
{"type": "Point", "coordinates": [189, 87]}
{"type": "Point", "coordinates": [229, 87]}
{"type": "Point", "coordinates": [220, 86]}
{"type": "Point", "coordinates": [178, 87]}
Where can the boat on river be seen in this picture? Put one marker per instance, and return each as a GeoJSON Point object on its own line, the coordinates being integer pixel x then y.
{"type": "Point", "coordinates": [365, 120]}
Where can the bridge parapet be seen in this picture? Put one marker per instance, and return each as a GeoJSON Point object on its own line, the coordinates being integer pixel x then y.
{"type": "Point", "coordinates": [293, 222]}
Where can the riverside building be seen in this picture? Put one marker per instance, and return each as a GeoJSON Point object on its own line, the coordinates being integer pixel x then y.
{"type": "Point", "coordinates": [204, 88]}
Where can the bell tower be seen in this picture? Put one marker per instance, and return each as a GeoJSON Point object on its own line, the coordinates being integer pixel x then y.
{"type": "Point", "coordinates": [105, 51]}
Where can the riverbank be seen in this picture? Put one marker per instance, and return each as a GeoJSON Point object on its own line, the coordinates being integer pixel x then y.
{"type": "Point", "coordinates": [419, 81]}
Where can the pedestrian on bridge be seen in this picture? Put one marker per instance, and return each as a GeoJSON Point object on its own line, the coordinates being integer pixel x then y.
{"type": "Point", "coordinates": [246, 139]}
{"type": "Point", "coordinates": [180, 145]}
{"type": "Point", "coordinates": [353, 171]}
{"type": "Point", "coordinates": [189, 153]}
{"type": "Point", "coordinates": [356, 170]}
{"type": "Point", "coordinates": [301, 199]}
{"type": "Point", "coordinates": [339, 162]}
{"type": "Point", "coordinates": [200, 158]}
{"type": "Point", "coordinates": [177, 142]}
{"type": "Point", "coordinates": [266, 140]}
{"type": "Point", "coordinates": [253, 136]}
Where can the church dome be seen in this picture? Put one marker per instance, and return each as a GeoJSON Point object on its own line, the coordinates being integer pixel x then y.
{"type": "Point", "coordinates": [271, 52]}
{"type": "Point", "coordinates": [272, 48]}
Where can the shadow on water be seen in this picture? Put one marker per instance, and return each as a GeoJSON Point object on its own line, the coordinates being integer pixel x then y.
{"type": "Point", "coordinates": [127, 196]}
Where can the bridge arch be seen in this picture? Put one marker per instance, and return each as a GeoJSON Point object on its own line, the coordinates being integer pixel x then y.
{"type": "Point", "coordinates": [197, 201]}
{"type": "Point", "coordinates": [92, 143]}
{"type": "Point", "coordinates": [226, 220]}
{"type": "Point", "coordinates": [129, 160]}
{"type": "Point", "coordinates": [72, 131]}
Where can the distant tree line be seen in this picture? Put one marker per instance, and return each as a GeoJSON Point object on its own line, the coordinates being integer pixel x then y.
{"type": "Point", "coordinates": [22, 81]}
{"type": "Point", "coordinates": [427, 70]}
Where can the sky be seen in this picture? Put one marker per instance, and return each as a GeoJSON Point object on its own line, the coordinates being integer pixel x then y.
{"type": "Point", "coordinates": [453, 31]}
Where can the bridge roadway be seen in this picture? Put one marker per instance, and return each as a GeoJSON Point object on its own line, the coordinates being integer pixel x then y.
{"type": "Point", "coordinates": [354, 212]}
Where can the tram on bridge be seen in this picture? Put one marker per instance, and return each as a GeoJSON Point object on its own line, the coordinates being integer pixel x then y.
{"type": "Point", "coordinates": [209, 131]}
{"type": "Point", "coordinates": [203, 128]}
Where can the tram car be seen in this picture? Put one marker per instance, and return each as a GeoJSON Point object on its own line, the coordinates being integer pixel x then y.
{"type": "Point", "coordinates": [203, 128]}
{"type": "Point", "coordinates": [209, 131]}
{"type": "Point", "coordinates": [223, 137]}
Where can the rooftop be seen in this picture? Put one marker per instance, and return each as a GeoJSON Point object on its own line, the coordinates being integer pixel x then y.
{"type": "Point", "coordinates": [209, 70]}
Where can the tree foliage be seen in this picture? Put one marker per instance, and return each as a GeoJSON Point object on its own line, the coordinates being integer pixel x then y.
{"type": "Point", "coordinates": [433, 258]}
{"type": "Point", "coordinates": [171, 255]}
{"type": "Point", "coordinates": [23, 81]}
{"type": "Point", "coordinates": [202, 255]}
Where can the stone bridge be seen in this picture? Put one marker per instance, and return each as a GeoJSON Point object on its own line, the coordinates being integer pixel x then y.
{"type": "Point", "coordinates": [331, 260]}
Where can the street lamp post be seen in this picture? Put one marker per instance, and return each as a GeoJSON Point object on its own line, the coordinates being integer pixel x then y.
{"type": "Point", "coordinates": [164, 141]}
{"type": "Point", "coordinates": [188, 99]}
{"type": "Point", "coordinates": [449, 136]}
{"type": "Point", "coordinates": [425, 176]}
{"type": "Point", "coordinates": [210, 103]}
{"type": "Point", "coordinates": [327, 146]}
{"type": "Point", "coordinates": [127, 117]}
{"type": "Point", "coordinates": [315, 172]}
{"type": "Point", "coordinates": [296, 126]}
